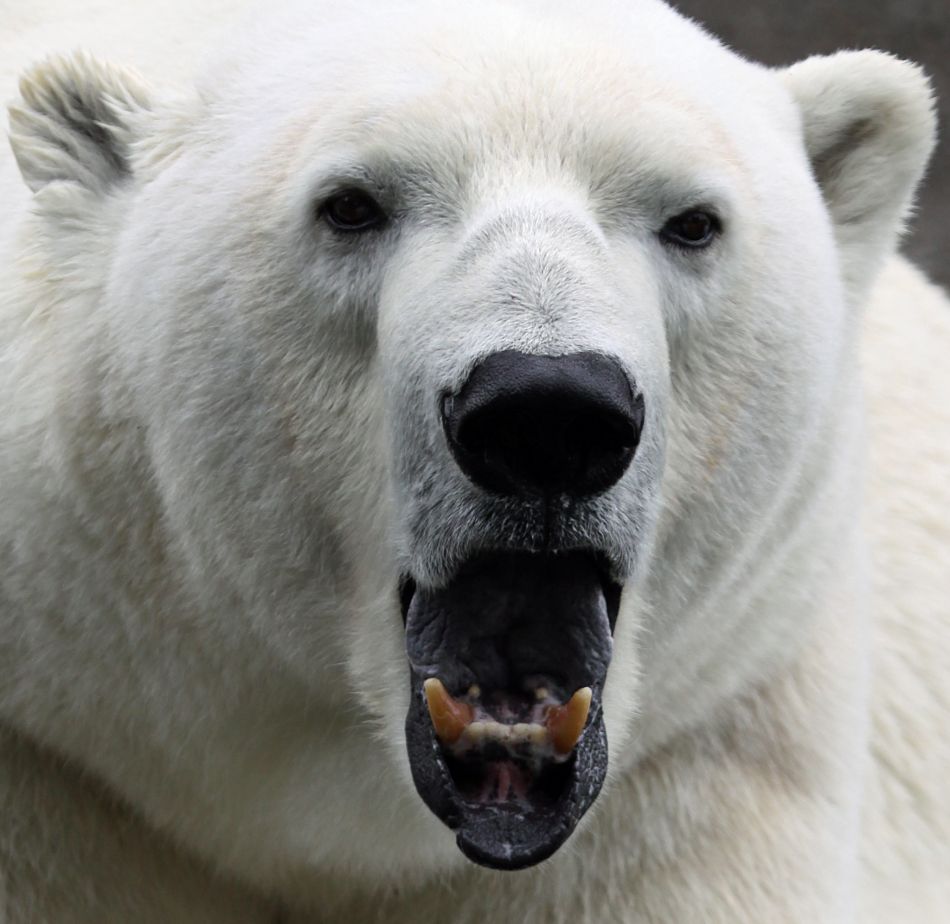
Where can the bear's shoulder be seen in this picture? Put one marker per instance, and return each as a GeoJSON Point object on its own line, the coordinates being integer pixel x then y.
{"type": "Point", "coordinates": [906, 360]}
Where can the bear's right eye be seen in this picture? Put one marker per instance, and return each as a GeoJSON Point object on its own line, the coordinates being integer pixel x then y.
{"type": "Point", "coordinates": [693, 230]}
{"type": "Point", "coordinates": [352, 210]}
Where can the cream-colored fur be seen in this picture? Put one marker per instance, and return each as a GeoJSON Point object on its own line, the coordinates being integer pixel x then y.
{"type": "Point", "coordinates": [202, 676]}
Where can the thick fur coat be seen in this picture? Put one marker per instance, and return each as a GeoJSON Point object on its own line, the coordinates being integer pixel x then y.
{"type": "Point", "coordinates": [219, 453]}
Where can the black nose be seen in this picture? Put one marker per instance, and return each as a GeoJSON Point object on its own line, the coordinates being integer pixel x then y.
{"type": "Point", "coordinates": [526, 424]}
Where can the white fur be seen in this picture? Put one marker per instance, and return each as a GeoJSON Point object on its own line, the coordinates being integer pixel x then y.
{"type": "Point", "coordinates": [217, 454]}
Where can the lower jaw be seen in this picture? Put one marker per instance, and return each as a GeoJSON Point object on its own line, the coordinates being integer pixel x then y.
{"type": "Point", "coordinates": [517, 841]}
{"type": "Point", "coordinates": [519, 833]}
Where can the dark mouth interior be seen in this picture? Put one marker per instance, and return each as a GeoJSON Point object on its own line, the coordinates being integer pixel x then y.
{"type": "Point", "coordinates": [510, 783]}
{"type": "Point", "coordinates": [611, 588]}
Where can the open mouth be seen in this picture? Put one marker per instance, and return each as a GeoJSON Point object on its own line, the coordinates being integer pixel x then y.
{"type": "Point", "coordinates": [505, 730]}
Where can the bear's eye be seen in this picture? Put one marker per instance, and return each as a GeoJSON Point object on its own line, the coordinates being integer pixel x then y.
{"type": "Point", "coordinates": [352, 210]}
{"type": "Point", "coordinates": [694, 229]}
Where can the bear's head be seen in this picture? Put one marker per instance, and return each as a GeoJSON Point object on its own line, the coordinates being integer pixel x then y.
{"type": "Point", "coordinates": [487, 362]}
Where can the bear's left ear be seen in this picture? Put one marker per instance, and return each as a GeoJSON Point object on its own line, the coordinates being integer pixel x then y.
{"type": "Point", "coordinates": [75, 121]}
{"type": "Point", "coordinates": [869, 128]}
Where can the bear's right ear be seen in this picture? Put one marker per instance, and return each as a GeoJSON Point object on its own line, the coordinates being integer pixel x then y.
{"type": "Point", "coordinates": [75, 122]}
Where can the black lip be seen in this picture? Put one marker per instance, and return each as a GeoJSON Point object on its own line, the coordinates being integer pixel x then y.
{"type": "Point", "coordinates": [407, 589]}
{"type": "Point", "coordinates": [502, 618]}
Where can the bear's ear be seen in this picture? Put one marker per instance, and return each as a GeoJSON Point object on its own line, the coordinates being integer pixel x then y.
{"type": "Point", "coordinates": [869, 128]}
{"type": "Point", "coordinates": [75, 121]}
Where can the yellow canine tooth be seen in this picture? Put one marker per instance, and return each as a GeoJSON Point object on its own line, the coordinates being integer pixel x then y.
{"type": "Point", "coordinates": [449, 717]}
{"type": "Point", "coordinates": [565, 723]}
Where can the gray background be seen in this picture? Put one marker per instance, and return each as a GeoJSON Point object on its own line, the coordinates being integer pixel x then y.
{"type": "Point", "coordinates": [783, 31]}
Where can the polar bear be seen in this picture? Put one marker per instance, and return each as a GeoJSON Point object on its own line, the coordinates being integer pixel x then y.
{"type": "Point", "coordinates": [435, 481]}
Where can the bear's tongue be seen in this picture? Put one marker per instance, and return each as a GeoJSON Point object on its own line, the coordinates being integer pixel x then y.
{"type": "Point", "coordinates": [504, 732]}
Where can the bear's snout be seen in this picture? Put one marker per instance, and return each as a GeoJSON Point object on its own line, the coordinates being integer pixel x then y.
{"type": "Point", "coordinates": [544, 425]}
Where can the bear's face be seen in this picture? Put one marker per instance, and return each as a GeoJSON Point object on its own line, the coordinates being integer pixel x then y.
{"type": "Point", "coordinates": [498, 343]}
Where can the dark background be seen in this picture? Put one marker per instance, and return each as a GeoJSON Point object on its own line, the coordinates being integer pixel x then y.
{"type": "Point", "coordinates": [781, 32]}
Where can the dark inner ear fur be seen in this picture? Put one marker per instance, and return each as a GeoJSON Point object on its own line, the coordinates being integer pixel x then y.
{"type": "Point", "coordinates": [87, 119]}
{"type": "Point", "coordinates": [826, 162]}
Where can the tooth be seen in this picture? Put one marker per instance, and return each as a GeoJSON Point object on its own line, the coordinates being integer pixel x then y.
{"type": "Point", "coordinates": [449, 717]}
{"type": "Point", "coordinates": [538, 736]}
{"type": "Point", "coordinates": [475, 691]}
{"type": "Point", "coordinates": [494, 731]}
{"type": "Point", "coordinates": [565, 723]}
{"type": "Point", "coordinates": [480, 730]}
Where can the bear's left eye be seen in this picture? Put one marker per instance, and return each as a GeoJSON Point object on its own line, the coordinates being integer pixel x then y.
{"type": "Point", "coordinates": [352, 210]}
{"type": "Point", "coordinates": [694, 229]}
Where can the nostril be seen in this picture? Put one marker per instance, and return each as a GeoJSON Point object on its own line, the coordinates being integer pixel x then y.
{"type": "Point", "coordinates": [541, 424]}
